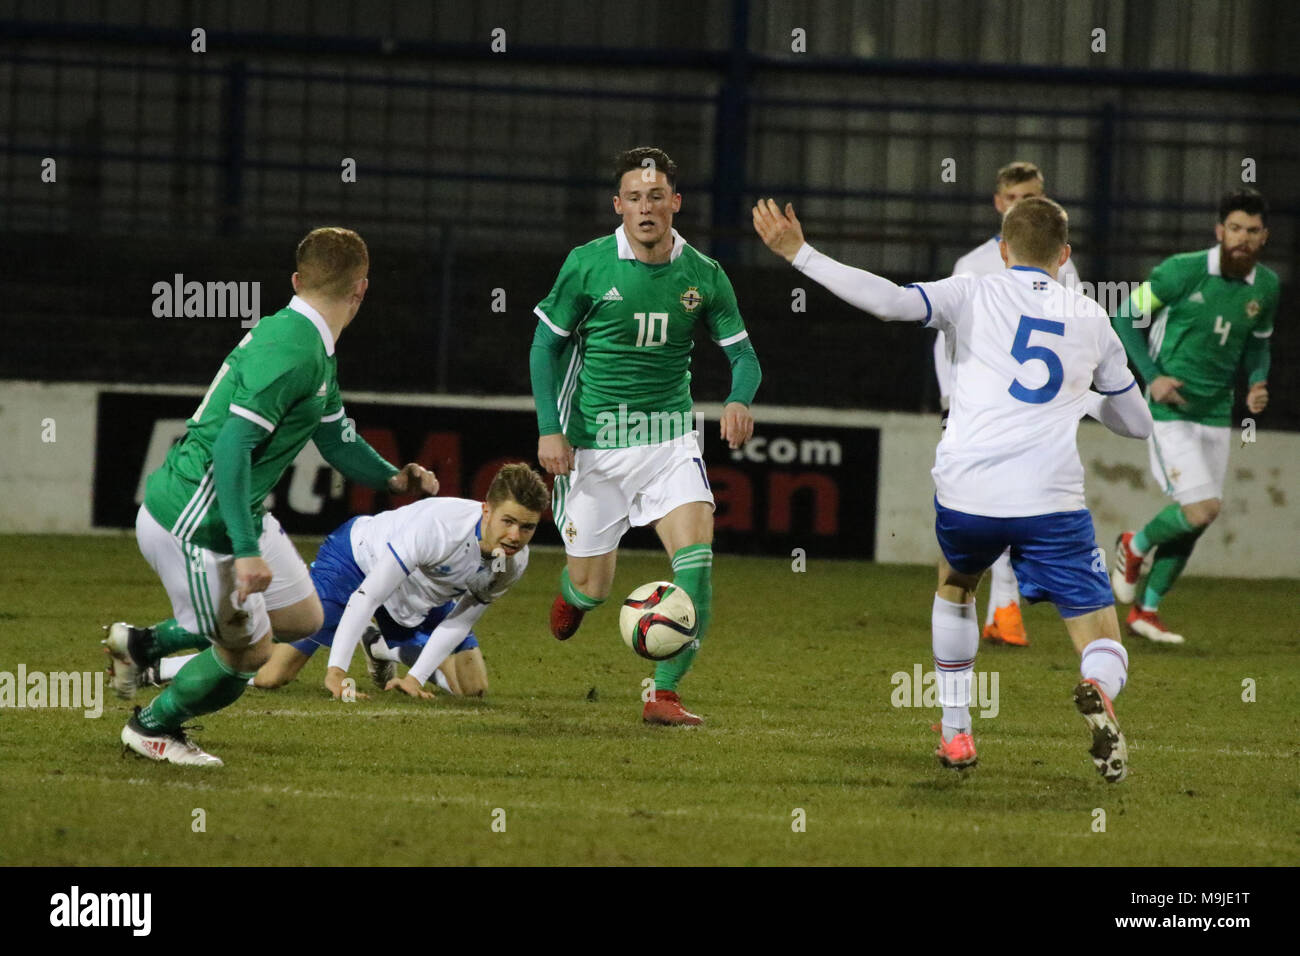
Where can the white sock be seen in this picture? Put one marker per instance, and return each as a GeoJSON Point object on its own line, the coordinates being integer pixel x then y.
{"type": "Point", "coordinates": [955, 637]}
{"type": "Point", "coordinates": [169, 667]}
{"type": "Point", "coordinates": [1002, 585]}
{"type": "Point", "coordinates": [382, 652]}
{"type": "Point", "coordinates": [441, 680]}
{"type": "Point", "coordinates": [1106, 662]}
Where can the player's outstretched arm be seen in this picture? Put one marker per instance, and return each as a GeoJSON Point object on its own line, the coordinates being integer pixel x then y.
{"type": "Point", "coordinates": [357, 460]}
{"type": "Point", "coordinates": [453, 629]}
{"type": "Point", "coordinates": [780, 231]}
{"type": "Point", "coordinates": [383, 579]}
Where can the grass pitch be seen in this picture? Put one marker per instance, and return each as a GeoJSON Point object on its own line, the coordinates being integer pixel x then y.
{"type": "Point", "coordinates": [794, 681]}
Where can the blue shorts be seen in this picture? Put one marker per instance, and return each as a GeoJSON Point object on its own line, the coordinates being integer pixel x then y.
{"type": "Point", "coordinates": [1055, 556]}
{"type": "Point", "coordinates": [336, 576]}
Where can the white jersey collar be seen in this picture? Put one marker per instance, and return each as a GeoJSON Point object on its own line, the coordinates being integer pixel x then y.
{"type": "Point", "coordinates": [299, 305]}
{"type": "Point", "coordinates": [1214, 266]}
{"type": "Point", "coordinates": [625, 245]}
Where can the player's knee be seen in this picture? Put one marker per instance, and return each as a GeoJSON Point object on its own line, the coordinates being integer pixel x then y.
{"type": "Point", "coordinates": [271, 677]}
{"type": "Point", "coordinates": [1202, 513]}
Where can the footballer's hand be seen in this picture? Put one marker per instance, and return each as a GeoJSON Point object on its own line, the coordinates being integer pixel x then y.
{"type": "Point", "coordinates": [780, 231]}
{"type": "Point", "coordinates": [1257, 398]}
{"type": "Point", "coordinates": [334, 677]}
{"type": "Point", "coordinates": [555, 453]}
{"type": "Point", "coordinates": [251, 576]}
{"type": "Point", "coordinates": [408, 685]}
{"type": "Point", "coordinates": [737, 424]}
{"type": "Point", "coordinates": [1164, 389]}
{"type": "Point", "coordinates": [413, 478]}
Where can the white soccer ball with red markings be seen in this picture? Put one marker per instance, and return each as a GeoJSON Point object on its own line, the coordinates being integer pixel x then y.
{"type": "Point", "coordinates": [658, 620]}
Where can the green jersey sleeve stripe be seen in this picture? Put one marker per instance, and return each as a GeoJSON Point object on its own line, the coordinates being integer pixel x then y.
{"type": "Point", "coordinates": [330, 418]}
{"type": "Point", "coordinates": [1267, 333]}
{"type": "Point", "coordinates": [537, 310]}
{"type": "Point", "coordinates": [733, 339]}
{"type": "Point", "coordinates": [253, 417]}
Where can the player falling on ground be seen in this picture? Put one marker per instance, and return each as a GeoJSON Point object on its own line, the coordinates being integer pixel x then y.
{"type": "Point", "coordinates": [610, 366]}
{"type": "Point", "coordinates": [1003, 623]}
{"type": "Point", "coordinates": [230, 571]}
{"type": "Point", "coordinates": [426, 572]}
{"type": "Point", "coordinates": [1213, 316]}
{"type": "Point", "coordinates": [1007, 471]}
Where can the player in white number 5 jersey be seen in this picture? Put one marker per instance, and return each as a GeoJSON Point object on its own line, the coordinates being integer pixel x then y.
{"type": "Point", "coordinates": [1026, 351]}
{"type": "Point", "coordinates": [1016, 181]}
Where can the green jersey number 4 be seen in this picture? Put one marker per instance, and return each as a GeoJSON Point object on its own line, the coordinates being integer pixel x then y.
{"type": "Point", "coordinates": [1221, 329]}
{"type": "Point", "coordinates": [651, 329]}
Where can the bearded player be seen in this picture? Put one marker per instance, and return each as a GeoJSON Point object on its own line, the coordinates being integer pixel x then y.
{"type": "Point", "coordinates": [1207, 318]}
{"type": "Point", "coordinates": [610, 365]}
{"type": "Point", "coordinates": [229, 569]}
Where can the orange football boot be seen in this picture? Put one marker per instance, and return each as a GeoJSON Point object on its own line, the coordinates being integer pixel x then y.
{"type": "Point", "coordinates": [1008, 627]}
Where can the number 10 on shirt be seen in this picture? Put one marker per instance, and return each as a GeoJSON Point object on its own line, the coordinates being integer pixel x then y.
{"type": "Point", "coordinates": [651, 329]}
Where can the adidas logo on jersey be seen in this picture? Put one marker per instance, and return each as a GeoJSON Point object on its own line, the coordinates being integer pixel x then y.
{"type": "Point", "coordinates": [1196, 297]}
{"type": "Point", "coordinates": [612, 295]}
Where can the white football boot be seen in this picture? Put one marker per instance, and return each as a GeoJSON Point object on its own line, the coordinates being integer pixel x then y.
{"type": "Point", "coordinates": [174, 747]}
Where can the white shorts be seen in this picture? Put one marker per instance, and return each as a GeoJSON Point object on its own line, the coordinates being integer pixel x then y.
{"type": "Point", "coordinates": [612, 489]}
{"type": "Point", "coordinates": [1189, 460]}
{"type": "Point", "coordinates": [201, 583]}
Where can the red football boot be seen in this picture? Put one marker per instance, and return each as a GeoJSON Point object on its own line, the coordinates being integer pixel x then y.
{"type": "Point", "coordinates": [665, 707]}
{"type": "Point", "coordinates": [565, 618]}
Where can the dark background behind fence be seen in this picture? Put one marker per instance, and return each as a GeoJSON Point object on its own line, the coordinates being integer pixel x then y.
{"type": "Point", "coordinates": [477, 171]}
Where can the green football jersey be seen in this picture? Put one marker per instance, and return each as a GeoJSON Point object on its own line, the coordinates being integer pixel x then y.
{"type": "Point", "coordinates": [1201, 328]}
{"type": "Point", "coordinates": [283, 377]}
{"type": "Point", "coordinates": [631, 329]}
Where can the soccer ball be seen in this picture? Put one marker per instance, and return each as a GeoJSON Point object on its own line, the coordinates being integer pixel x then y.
{"type": "Point", "coordinates": [658, 620]}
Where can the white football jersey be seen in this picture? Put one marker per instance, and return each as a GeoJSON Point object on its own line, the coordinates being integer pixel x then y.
{"type": "Point", "coordinates": [984, 259]}
{"type": "Point", "coordinates": [1026, 350]}
{"type": "Point", "coordinates": [437, 542]}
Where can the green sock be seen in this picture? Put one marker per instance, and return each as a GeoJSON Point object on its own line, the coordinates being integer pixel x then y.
{"type": "Point", "coordinates": [204, 685]}
{"type": "Point", "coordinates": [576, 597]}
{"type": "Point", "coordinates": [693, 573]}
{"type": "Point", "coordinates": [169, 637]}
{"type": "Point", "coordinates": [1168, 565]}
{"type": "Point", "coordinates": [1166, 526]}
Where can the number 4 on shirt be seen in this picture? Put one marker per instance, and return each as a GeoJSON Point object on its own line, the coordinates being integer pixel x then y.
{"type": "Point", "coordinates": [1023, 352]}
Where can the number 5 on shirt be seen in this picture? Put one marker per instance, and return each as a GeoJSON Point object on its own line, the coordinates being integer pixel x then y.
{"type": "Point", "coordinates": [1023, 352]}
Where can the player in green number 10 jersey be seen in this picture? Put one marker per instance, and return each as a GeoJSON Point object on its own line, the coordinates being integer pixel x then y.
{"type": "Point", "coordinates": [1213, 315]}
{"type": "Point", "coordinates": [610, 367]}
{"type": "Point", "coordinates": [229, 569]}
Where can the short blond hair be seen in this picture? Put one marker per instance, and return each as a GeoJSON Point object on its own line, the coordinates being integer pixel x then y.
{"type": "Point", "coordinates": [1036, 230]}
{"type": "Point", "coordinates": [330, 261]}
{"type": "Point", "coordinates": [1012, 174]}
{"type": "Point", "coordinates": [519, 482]}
